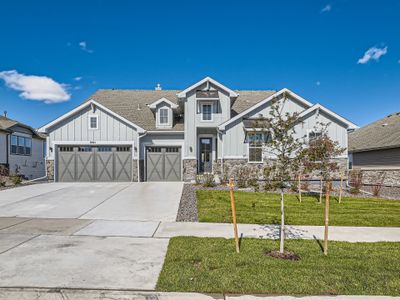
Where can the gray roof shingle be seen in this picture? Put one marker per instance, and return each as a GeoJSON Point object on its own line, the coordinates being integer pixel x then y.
{"type": "Point", "coordinates": [381, 134]}
{"type": "Point", "coordinates": [132, 104]}
{"type": "Point", "coordinates": [6, 125]}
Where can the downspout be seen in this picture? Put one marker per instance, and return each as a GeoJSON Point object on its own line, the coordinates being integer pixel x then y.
{"type": "Point", "coordinates": [138, 154]}
{"type": "Point", "coordinates": [8, 151]}
{"type": "Point", "coordinates": [222, 152]}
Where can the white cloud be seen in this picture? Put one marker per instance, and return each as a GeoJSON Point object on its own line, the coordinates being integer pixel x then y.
{"type": "Point", "coordinates": [373, 53]}
{"type": "Point", "coordinates": [39, 88]}
{"type": "Point", "coordinates": [83, 46]}
{"type": "Point", "coordinates": [326, 8]}
{"type": "Point", "coordinates": [78, 78]}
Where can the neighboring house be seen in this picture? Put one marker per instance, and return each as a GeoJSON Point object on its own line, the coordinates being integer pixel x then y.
{"type": "Point", "coordinates": [22, 149]}
{"type": "Point", "coordinates": [169, 135]}
{"type": "Point", "coordinates": [375, 149]}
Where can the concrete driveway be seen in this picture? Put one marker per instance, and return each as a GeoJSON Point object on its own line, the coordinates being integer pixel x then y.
{"type": "Point", "coordinates": [147, 201]}
{"type": "Point", "coordinates": [115, 248]}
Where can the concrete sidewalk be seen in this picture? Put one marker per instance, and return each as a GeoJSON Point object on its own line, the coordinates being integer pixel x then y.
{"type": "Point", "coordinates": [172, 229]}
{"type": "Point", "coordinates": [70, 294]}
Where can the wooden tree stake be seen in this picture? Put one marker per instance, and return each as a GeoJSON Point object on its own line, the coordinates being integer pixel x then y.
{"type": "Point", "coordinates": [299, 187]}
{"type": "Point", "coordinates": [341, 187]}
{"type": "Point", "coordinates": [235, 230]}
{"type": "Point", "coordinates": [320, 192]}
{"type": "Point", "coordinates": [327, 194]}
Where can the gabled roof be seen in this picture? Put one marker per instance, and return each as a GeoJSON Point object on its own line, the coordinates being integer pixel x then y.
{"type": "Point", "coordinates": [7, 124]}
{"type": "Point", "coordinates": [263, 102]}
{"type": "Point", "coordinates": [165, 100]}
{"type": "Point", "coordinates": [318, 106]}
{"type": "Point", "coordinates": [207, 79]}
{"type": "Point", "coordinates": [381, 134]}
{"type": "Point", "coordinates": [84, 105]}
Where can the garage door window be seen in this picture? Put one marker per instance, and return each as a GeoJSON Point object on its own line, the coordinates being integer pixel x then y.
{"type": "Point", "coordinates": [123, 149]}
{"type": "Point", "coordinates": [85, 149]}
{"type": "Point", "coordinates": [66, 149]}
{"type": "Point", "coordinates": [104, 149]}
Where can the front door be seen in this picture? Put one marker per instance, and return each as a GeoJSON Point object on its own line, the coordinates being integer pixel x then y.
{"type": "Point", "coordinates": [205, 152]}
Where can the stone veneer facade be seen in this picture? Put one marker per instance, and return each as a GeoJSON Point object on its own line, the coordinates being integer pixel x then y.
{"type": "Point", "coordinates": [235, 167]}
{"type": "Point", "coordinates": [374, 176]}
{"type": "Point", "coordinates": [189, 169]}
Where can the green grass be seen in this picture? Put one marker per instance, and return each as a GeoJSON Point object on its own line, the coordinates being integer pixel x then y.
{"type": "Point", "coordinates": [212, 265]}
{"type": "Point", "coordinates": [264, 208]}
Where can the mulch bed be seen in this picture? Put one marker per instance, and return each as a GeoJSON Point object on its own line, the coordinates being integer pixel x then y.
{"type": "Point", "coordinates": [288, 255]}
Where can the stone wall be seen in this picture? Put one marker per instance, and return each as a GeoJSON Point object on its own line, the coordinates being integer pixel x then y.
{"type": "Point", "coordinates": [50, 169]}
{"type": "Point", "coordinates": [236, 167]}
{"type": "Point", "coordinates": [391, 177]}
{"type": "Point", "coordinates": [189, 169]}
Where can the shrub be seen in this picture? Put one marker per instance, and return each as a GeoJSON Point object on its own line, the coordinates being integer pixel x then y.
{"type": "Point", "coordinates": [356, 177]}
{"type": "Point", "coordinates": [197, 180]}
{"type": "Point", "coordinates": [376, 189]}
{"type": "Point", "coordinates": [242, 176]}
{"type": "Point", "coordinates": [208, 180]}
{"type": "Point", "coordinates": [16, 179]}
{"type": "Point", "coordinates": [253, 182]}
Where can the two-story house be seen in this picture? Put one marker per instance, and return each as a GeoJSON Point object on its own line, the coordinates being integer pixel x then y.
{"type": "Point", "coordinates": [171, 135]}
{"type": "Point", "coordinates": [22, 149]}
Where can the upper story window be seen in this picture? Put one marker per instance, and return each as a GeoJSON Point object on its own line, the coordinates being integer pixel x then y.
{"type": "Point", "coordinates": [164, 116]}
{"type": "Point", "coordinates": [21, 145]}
{"type": "Point", "coordinates": [93, 122]}
{"type": "Point", "coordinates": [206, 112]}
{"type": "Point", "coordinates": [313, 135]}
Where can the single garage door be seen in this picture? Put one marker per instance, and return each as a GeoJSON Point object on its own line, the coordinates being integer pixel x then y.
{"type": "Point", "coordinates": [163, 163]}
{"type": "Point", "coordinates": [94, 163]}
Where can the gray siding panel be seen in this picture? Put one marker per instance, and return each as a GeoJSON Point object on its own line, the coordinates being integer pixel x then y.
{"type": "Point", "coordinates": [76, 128]}
{"type": "Point", "coordinates": [385, 158]}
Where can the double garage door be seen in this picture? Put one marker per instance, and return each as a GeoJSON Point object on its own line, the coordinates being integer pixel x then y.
{"type": "Point", "coordinates": [94, 163]}
{"type": "Point", "coordinates": [163, 163]}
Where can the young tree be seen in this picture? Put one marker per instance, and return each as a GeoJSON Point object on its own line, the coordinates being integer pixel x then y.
{"type": "Point", "coordinates": [319, 155]}
{"type": "Point", "coordinates": [286, 151]}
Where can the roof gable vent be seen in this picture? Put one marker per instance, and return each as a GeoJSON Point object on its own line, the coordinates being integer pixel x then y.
{"type": "Point", "coordinates": [158, 87]}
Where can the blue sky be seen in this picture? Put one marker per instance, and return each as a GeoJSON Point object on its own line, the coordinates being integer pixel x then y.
{"type": "Point", "coordinates": [55, 54]}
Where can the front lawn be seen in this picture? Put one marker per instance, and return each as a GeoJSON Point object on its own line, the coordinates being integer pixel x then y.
{"type": "Point", "coordinates": [212, 265]}
{"type": "Point", "coordinates": [264, 208]}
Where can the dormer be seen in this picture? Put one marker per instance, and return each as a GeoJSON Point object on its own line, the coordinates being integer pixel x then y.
{"type": "Point", "coordinates": [164, 112]}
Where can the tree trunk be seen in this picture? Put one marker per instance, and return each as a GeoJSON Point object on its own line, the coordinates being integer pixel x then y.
{"type": "Point", "coordinates": [282, 234]}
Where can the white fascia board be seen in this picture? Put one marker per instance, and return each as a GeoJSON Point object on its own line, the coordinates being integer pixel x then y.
{"type": "Point", "coordinates": [214, 82]}
{"type": "Point", "coordinates": [318, 106]}
{"type": "Point", "coordinates": [270, 98]}
{"type": "Point", "coordinates": [155, 103]}
{"type": "Point", "coordinates": [84, 105]}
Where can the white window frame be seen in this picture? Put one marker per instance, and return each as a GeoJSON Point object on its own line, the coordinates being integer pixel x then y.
{"type": "Point", "coordinates": [160, 117]}
{"type": "Point", "coordinates": [90, 122]}
{"type": "Point", "coordinates": [202, 111]}
{"type": "Point", "coordinates": [249, 146]}
{"type": "Point", "coordinates": [169, 116]}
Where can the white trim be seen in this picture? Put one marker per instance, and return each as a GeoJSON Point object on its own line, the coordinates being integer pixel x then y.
{"type": "Point", "coordinates": [202, 114]}
{"type": "Point", "coordinates": [207, 79]}
{"type": "Point", "coordinates": [235, 157]}
{"type": "Point", "coordinates": [90, 116]}
{"type": "Point", "coordinates": [84, 105]}
{"type": "Point", "coordinates": [155, 103]}
{"type": "Point", "coordinates": [330, 113]}
{"type": "Point", "coordinates": [270, 98]}
{"type": "Point", "coordinates": [169, 131]}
